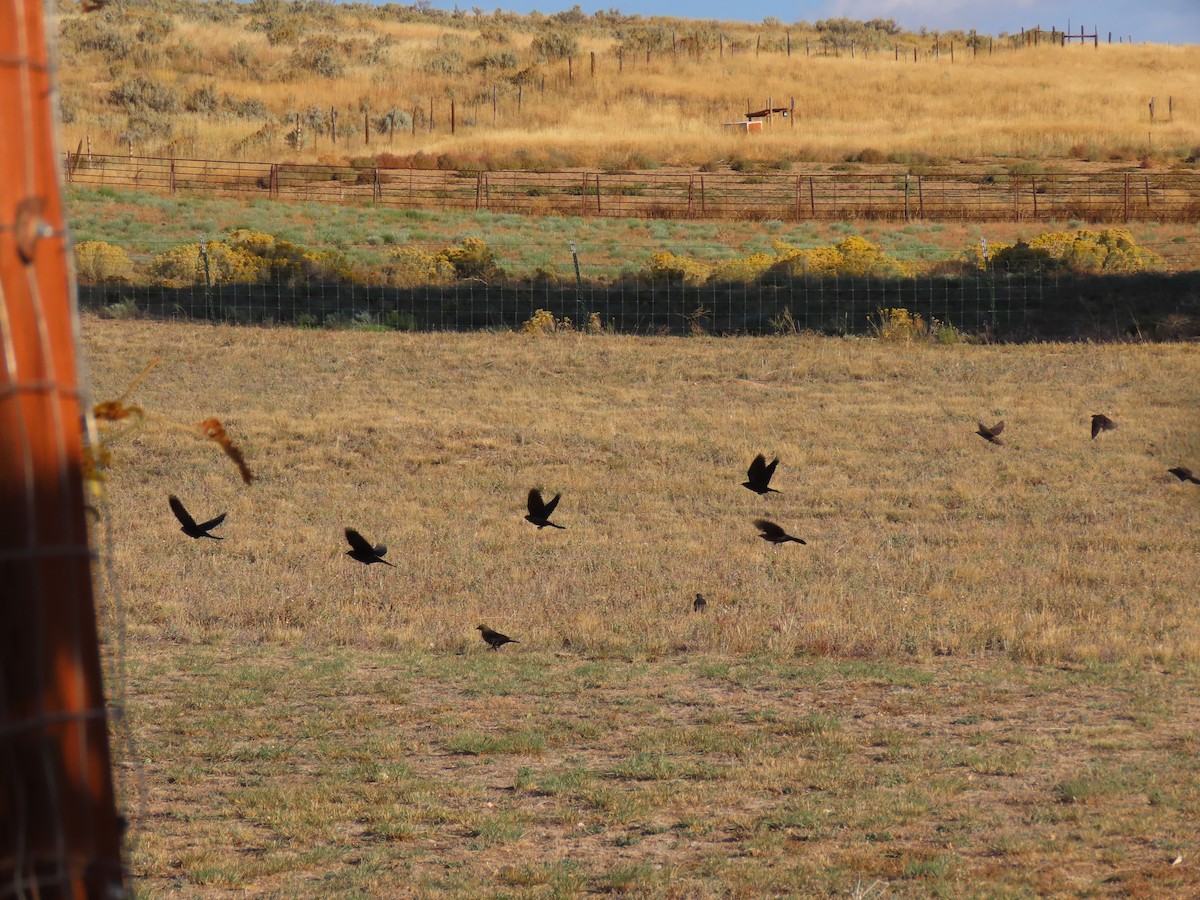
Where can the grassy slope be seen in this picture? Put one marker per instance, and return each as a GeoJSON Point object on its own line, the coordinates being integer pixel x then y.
{"type": "Point", "coordinates": [145, 225]}
{"type": "Point", "coordinates": [1075, 104]}
{"type": "Point", "coordinates": [977, 678]}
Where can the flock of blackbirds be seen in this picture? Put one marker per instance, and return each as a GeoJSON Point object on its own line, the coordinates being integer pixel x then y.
{"type": "Point", "coordinates": [758, 480]}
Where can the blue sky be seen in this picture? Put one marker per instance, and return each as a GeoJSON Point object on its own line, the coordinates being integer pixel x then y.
{"type": "Point", "coordinates": [1160, 21]}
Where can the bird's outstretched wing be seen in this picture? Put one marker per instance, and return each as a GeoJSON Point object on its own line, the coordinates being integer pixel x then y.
{"type": "Point", "coordinates": [212, 523]}
{"type": "Point", "coordinates": [549, 510]}
{"type": "Point", "coordinates": [769, 528]}
{"type": "Point", "coordinates": [991, 434]}
{"type": "Point", "coordinates": [537, 508]}
{"type": "Point", "coordinates": [359, 544]}
{"type": "Point", "coordinates": [758, 469]}
{"type": "Point", "coordinates": [760, 472]}
{"type": "Point", "coordinates": [1101, 422]}
{"type": "Point", "coordinates": [181, 513]}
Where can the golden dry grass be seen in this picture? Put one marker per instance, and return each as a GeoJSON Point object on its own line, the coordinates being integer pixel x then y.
{"type": "Point", "coordinates": [923, 539]}
{"type": "Point", "coordinates": [1075, 103]}
{"type": "Point", "coordinates": [977, 679]}
{"type": "Point", "coordinates": [342, 772]}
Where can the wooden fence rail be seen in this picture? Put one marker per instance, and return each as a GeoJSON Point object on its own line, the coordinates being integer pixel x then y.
{"type": "Point", "coordinates": [971, 196]}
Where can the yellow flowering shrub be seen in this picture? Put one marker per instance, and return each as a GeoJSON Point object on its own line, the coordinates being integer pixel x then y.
{"type": "Point", "coordinates": [97, 262]}
{"type": "Point", "coordinates": [1087, 252]}
{"type": "Point", "coordinates": [853, 256]}
{"type": "Point", "coordinates": [185, 264]}
{"type": "Point", "coordinates": [743, 270]}
{"type": "Point", "coordinates": [472, 258]}
{"type": "Point", "coordinates": [666, 266]}
{"type": "Point", "coordinates": [411, 267]}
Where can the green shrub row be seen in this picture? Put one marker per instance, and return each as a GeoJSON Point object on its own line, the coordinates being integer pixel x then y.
{"type": "Point", "coordinates": [248, 257]}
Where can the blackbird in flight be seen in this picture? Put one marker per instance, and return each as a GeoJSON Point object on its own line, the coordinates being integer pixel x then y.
{"type": "Point", "coordinates": [540, 511]}
{"type": "Point", "coordinates": [769, 531]}
{"type": "Point", "coordinates": [361, 549]}
{"type": "Point", "coordinates": [991, 434]}
{"type": "Point", "coordinates": [190, 528]}
{"type": "Point", "coordinates": [758, 476]}
{"type": "Point", "coordinates": [495, 640]}
{"type": "Point", "coordinates": [1101, 422]}
{"type": "Point", "coordinates": [1184, 474]}
{"type": "Point", "coordinates": [699, 604]}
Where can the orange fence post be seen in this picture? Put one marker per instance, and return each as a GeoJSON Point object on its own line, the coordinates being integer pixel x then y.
{"type": "Point", "coordinates": [59, 831]}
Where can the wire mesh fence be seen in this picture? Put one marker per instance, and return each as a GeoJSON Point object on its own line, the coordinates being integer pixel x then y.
{"type": "Point", "coordinates": [627, 288]}
{"type": "Point", "coordinates": [843, 305]}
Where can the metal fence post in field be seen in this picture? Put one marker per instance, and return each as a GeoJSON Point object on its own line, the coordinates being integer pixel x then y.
{"type": "Point", "coordinates": [59, 829]}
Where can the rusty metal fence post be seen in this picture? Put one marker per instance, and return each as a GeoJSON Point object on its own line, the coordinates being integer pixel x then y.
{"type": "Point", "coordinates": [59, 829]}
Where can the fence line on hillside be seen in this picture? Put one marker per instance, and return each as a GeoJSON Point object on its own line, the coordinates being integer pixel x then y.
{"type": "Point", "coordinates": [1109, 197]}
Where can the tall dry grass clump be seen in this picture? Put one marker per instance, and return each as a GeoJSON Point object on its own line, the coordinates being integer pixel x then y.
{"type": "Point", "coordinates": [261, 80]}
{"type": "Point", "coordinates": [922, 538]}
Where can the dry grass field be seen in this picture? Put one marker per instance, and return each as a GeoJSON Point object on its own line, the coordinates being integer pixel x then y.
{"type": "Point", "coordinates": [228, 81]}
{"type": "Point", "coordinates": [978, 678]}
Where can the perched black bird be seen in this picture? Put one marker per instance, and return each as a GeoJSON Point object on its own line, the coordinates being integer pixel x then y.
{"type": "Point", "coordinates": [758, 476]}
{"type": "Point", "coordinates": [190, 528]}
{"type": "Point", "coordinates": [991, 434]}
{"type": "Point", "coordinates": [699, 604]}
{"type": "Point", "coordinates": [495, 640]}
{"type": "Point", "coordinates": [774, 533]}
{"type": "Point", "coordinates": [540, 511]}
{"type": "Point", "coordinates": [1101, 422]}
{"type": "Point", "coordinates": [361, 549]}
{"type": "Point", "coordinates": [1184, 474]}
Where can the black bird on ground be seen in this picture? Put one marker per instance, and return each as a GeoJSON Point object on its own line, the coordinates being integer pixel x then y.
{"type": "Point", "coordinates": [361, 549]}
{"type": "Point", "coordinates": [769, 531]}
{"type": "Point", "coordinates": [1101, 422]}
{"type": "Point", "coordinates": [190, 528]}
{"type": "Point", "coordinates": [540, 511]}
{"type": "Point", "coordinates": [1184, 474]}
{"type": "Point", "coordinates": [699, 604]}
{"type": "Point", "coordinates": [991, 434]}
{"type": "Point", "coordinates": [494, 639]}
{"type": "Point", "coordinates": [758, 476]}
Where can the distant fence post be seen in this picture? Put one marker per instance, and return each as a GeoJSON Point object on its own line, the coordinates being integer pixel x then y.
{"type": "Point", "coordinates": [172, 175]}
